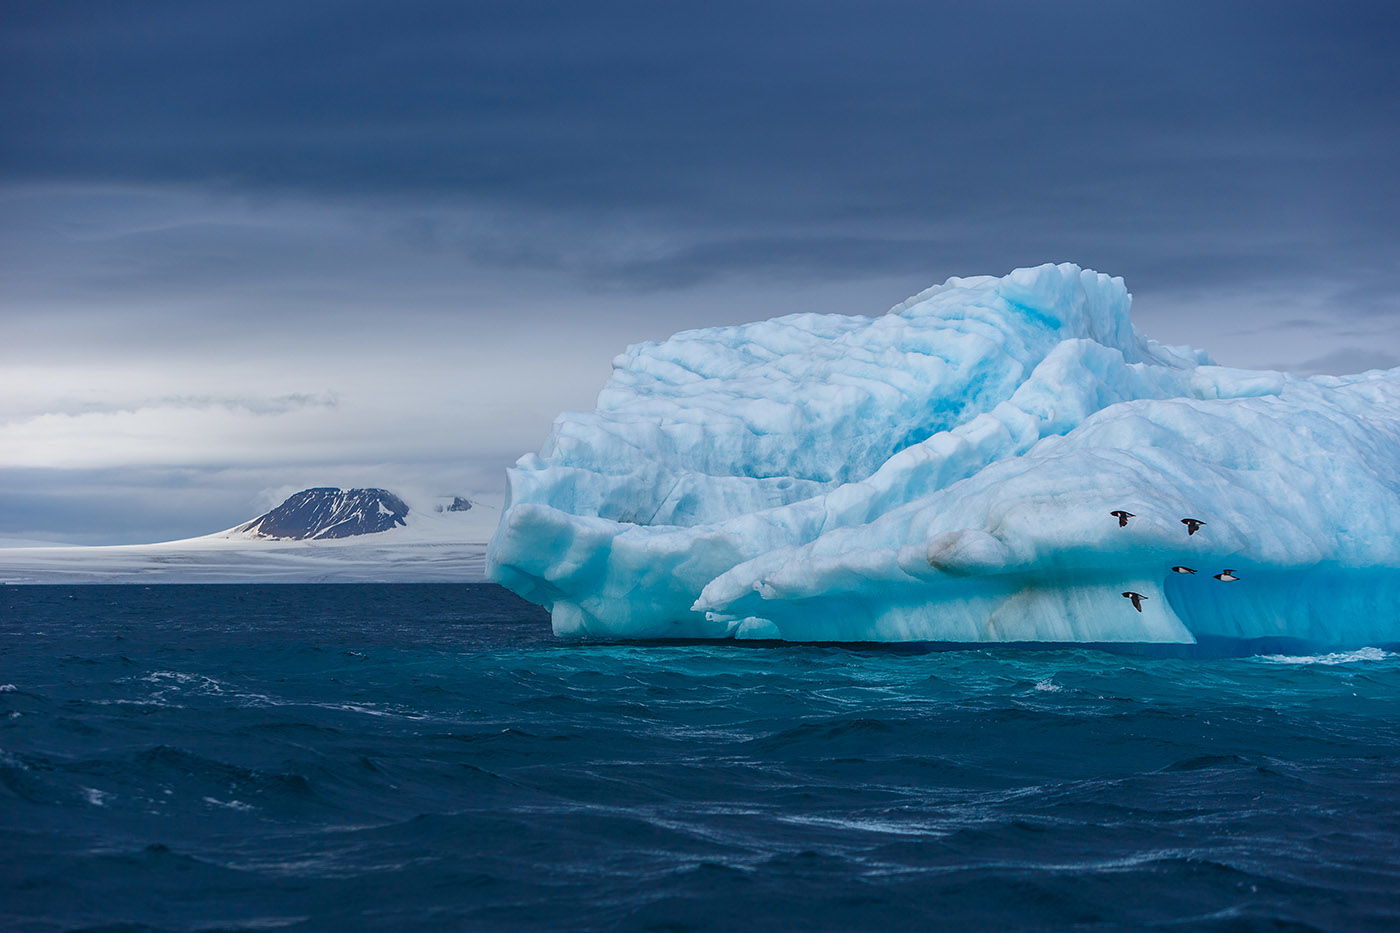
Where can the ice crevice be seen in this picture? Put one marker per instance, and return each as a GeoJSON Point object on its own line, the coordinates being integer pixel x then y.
{"type": "Point", "coordinates": [944, 472]}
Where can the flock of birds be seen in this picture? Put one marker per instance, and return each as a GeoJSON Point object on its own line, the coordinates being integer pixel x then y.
{"type": "Point", "coordinates": [1193, 525]}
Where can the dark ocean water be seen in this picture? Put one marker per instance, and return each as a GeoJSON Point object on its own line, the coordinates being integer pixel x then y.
{"type": "Point", "coordinates": [430, 758]}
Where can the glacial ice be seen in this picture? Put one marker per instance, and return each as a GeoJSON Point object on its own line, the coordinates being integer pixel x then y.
{"type": "Point", "coordinates": [945, 472]}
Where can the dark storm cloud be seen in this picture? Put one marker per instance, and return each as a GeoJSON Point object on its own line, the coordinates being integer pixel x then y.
{"type": "Point", "coordinates": [716, 115]}
{"type": "Point", "coordinates": [1163, 142]}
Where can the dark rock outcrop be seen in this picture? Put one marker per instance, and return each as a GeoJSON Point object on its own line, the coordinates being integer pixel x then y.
{"type": "Point", "coordinates": [329, 512]}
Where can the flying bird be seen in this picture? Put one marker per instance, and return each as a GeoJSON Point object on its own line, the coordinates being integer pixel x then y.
{"type": "Point", "coordinates": [1227, 576]}
{"type": "Point", "coordinates": [1137, 599]}
{"type": "Point", "coordinates": [1122, 517]}
{"type": "Point", "coordinates": [1193, 525]}
{"type": "Point", "coordinates": [1182, 570]}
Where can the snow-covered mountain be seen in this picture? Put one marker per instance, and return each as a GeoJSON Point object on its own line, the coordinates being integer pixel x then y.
{"type": "Point", "coordinates": [327, 512]}
{"type": "Point", "coordinates": [318, 535]}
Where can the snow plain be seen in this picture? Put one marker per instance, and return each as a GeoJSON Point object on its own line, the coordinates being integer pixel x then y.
{"type": "Point", "coordinates": [432, 547]}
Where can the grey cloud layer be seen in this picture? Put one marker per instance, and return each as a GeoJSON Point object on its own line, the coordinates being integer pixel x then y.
{"type": "Point", "coordinates": [711, 115]}
{"type": "Point", "coordinates": [453, 214]}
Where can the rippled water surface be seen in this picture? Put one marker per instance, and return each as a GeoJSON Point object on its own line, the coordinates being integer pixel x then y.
{"type": "Point", "coordinates": [429, 757]}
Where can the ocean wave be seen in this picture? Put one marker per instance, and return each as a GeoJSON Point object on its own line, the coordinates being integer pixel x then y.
{"type": "Point", "coordinates": [1336, 657]}
{"type": "Point", "coordinates": [697, 787]}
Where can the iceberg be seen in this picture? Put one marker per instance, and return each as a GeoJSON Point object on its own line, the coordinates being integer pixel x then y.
{"type": "Point", "coordinates": [946, 472]}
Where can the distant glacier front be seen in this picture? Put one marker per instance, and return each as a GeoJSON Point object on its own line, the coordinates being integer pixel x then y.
{"type": "Point", "coordinates": [945, 472]}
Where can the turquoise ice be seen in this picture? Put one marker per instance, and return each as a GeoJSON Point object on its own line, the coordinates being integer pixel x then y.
{"type": "Point", "coordinates": [945, 472]}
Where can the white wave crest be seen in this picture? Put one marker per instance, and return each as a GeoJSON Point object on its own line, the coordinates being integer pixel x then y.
{"type": "Point", "coordinates": [1337, 657]}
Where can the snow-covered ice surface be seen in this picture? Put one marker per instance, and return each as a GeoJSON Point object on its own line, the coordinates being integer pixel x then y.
{"type": "Point", "coordinates": [945, 472]}
{"type": "Point", "coordinates": [432, 547]}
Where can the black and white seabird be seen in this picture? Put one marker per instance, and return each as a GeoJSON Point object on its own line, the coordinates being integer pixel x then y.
{"type": "Point", "coordinates": [1182, 570]}
{"type": "Point", "coordinates": [1122, 517]}
{"type": "Point", "coordinates": [1226, 576]}
{"type": "Point", "coordinates": [1193, 525]}
{"type": "Point", "coordinates": [1137, 599]}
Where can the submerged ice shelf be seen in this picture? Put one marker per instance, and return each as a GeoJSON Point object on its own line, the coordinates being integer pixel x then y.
{"type": "Point", "coordinates": [945, 472]}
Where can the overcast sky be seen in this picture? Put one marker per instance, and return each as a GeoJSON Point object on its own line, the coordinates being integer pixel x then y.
{"type": "Point", "coordinates": [250, 247]}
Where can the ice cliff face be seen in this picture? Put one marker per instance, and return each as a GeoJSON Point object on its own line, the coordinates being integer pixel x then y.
{"type": "Point", "coordinates": [945, 472]}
